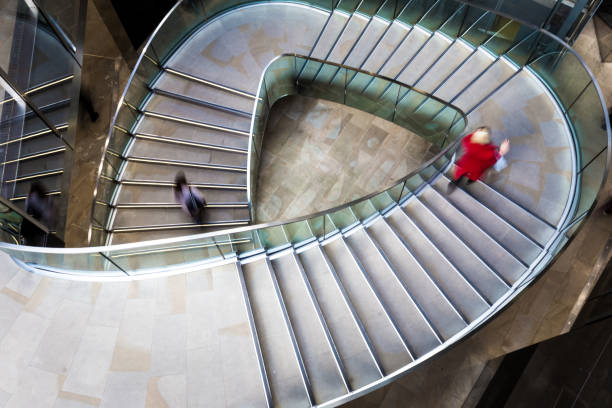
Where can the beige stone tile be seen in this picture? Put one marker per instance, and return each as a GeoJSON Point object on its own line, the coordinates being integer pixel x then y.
{"type": "Point", "coordinates": [125, 390]}
{"type": "Point", "coordinates": [62, 337]}
{"type": "Point", "coordinates": [47, 297]}
{"type": "Point", "coordinates": [18, 347]}
{"type": "Point", "coordinates": [91, 363]}
{"type": "Point", "coordinates": [45, 384]}
{"type": "Point", "coordinates": [133, 348]}
{"type": "Point", "coordinates": [171, 293]}
{"type": "Point", "coordinates": [108, 309]}
{"type": "Point", "coordinates": [169, 347]}
{"type": "Point", "coordinates": [168, 391]}
{"type": "Point", "coordinates": [24, 283]}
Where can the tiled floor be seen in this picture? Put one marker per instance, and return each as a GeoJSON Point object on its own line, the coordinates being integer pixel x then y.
{"type": "Point", "coordinates": [319, 154]}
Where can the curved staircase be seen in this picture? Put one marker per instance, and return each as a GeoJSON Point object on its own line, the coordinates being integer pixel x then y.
{"type": "Point", "coordinates": [322, 309]}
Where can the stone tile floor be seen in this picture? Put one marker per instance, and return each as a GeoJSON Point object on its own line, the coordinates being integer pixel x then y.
{"type": "Point", "coordinates": [319, 154]}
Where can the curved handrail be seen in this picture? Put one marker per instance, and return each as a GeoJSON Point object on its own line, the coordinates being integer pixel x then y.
{"type": "Point", "coordinates": [565, 229]}
{"type": "Point", "coordinates": [143, 57]}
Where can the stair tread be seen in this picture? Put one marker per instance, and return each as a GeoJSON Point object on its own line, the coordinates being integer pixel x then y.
{"type": "Point", "coordinates": [325, 379]}
{"type": "Point", "coordinates": [385, 341]}
{"type": "Point", "coordinates": [463, 296]}
{"type": "Point", "coordinates": [440, 312]}
{"type": "Point", "coordinates": [281, 365]}
{"type": "Point", "coordinates": [411, 324]}
{"type": "Point", "coordinates": [178, 108]}
{"type": "Point", "coordinates": [194, 89]}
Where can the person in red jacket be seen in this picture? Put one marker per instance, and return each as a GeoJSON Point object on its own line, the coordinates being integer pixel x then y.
{"type": "Point", "coordinates": [479, 155]}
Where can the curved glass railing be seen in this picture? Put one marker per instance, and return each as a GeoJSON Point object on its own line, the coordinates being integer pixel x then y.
{"type": "Point", "coordinates": [556, 65]}
{"type": "Point", "coordinates": [554, 62]}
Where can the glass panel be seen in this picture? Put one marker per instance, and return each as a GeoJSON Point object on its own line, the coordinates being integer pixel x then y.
{"type": "Point", "coordinates": [588, 119]}
{"type": "Point", "coordinates": [244, 241]}
{"type": "Point", "coordinates": [510, 34]}
{"type": "Point", "coordinates": [343, 218]}
{"type": "Point", "coordinates": [272, 237]}
{"type": "Point", "coordinates": [364, 209]}
{"type": "Point", "coordinates": [370, 101]}
{"type": "Point", "coordinates": [461, 21]}
{"type": "Point", "coordinates": [438, 14]}
{"type": "Point", "coordinates": [414, 182]}
{"type": "Point", "coordinates": [279, 79]}
{"type": "Point", "coordinates": [415, 11]}
{"type": "Point", "coordinates": [532, 11]}
{"type": "Point", "coordinates": [382, 201]}
{"type": "Point", "coordinates": [347, 5]}
{"type": "Point", "coordinates": [70, 263]}
{"type": "Point", "coordinates": [298, 231]}
{"type": "Point", "coordinates": [590, 182]}
{"type": "Point", "coordinates": [163, 256]}
{"type": "Point", "coordinates": [481, 30]}
{"type": "Point", "coordinates": [184, 19]}
{"type": "Point", "coordinates": [555, 68]}
{"type": "Point", "coordinates": [521, 52]}
{"type": "Point", "coordinates": [32, 54]}
{"type": "Point", "coordinates": [370, 7]}
{"type": "Point", "coordinates": [139, 87]}
{"type": "Point", "coordinates": [317, 225]}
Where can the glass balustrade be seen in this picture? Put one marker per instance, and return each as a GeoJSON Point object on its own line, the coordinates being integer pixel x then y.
{"type": "Point", "coordinates": [526, 47]}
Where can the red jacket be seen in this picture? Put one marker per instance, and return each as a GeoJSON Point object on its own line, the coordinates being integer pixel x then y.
{"type": "Point", "coordinates": [476, 159]}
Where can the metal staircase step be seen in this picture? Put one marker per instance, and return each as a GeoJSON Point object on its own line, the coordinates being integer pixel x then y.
{"type": "Point", "coordinates": [428, 55]}
{"type": "Point", "coordinates": [532, 225]}
{"type": "Point", "coordinates": [155, 172]}
{"type": "Point", "coordinates": [366, 43]}
{"type": "Point", "coordinates": [464, 75]}
{"type": "Point", "coordinates": [198, 88]}
{"type": "Point", "coordinates": [384, 49]}
{"type": "Point", "coordinates": [371, 332]}
{"type": "Point", "coordinates": [191, 132]}
{"type": "Point", "coordinates": [350, 35]}
{"type": "Point", "coordinates": [360, 359]}
{"type": "Point", "coordinates": [323, 366]}
{"type": "Point", "coordinates": [444, 67]}
{"type": "Point", "coordinates": [190, 111]}
{"type": "Point", "coordinates": [487, 83]}
{"type": "Point", "coordinates": [443, 315]}
{"type": "Point", "coordinates": [328, 38]}
{"type": "Point", "coordinates": [404, 52]}
{"type": "Point", "coordinates": [462, 291]}
{"type": "Point", "coordinates": [484, 245]}
{"type": "Point", "coordinates": [415, 328]}
{"type": "Point", "coordinates": [131, 193]}
{"type": "Point", "coordinates": [162, 150]}
{"type": "Point", "coordinates": [460, 254]}
{"type": "Point", "coordinates": [288, 385]}
{"type": "Point", "coordinates": [494, 224]}
{"type": "Point", "coordinates": [153, 217]}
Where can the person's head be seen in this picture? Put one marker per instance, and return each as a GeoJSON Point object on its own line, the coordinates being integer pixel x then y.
{"type": "Point", "coordinates": [180, 180]}
{"type": "Point", "coordinates": [37, 189]}
{"type": "Point", "coordinates": [482, 135]}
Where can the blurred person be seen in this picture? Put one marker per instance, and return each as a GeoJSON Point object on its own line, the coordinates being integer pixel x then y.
{"type": "Point", "coordinates": [38, 205]}
{"type": "Point", "coordinates": [190, 198]}
{"type": "Point", "coordinates": [479, 155]}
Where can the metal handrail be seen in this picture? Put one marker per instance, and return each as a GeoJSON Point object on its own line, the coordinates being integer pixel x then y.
{"type": "Point", "coordinates": [271, 224]}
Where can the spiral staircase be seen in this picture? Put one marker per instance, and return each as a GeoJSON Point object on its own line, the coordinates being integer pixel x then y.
{"type": "Point", "coordinates": [320, 310]}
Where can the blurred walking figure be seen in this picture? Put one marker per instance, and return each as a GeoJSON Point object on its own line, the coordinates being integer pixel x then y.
{"type": "Point", "coordinates": [479, 155]}
{"type": "Point", "coordinates": [190, 198]}
{"type": "Point", "coordinates": [38, 205]}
